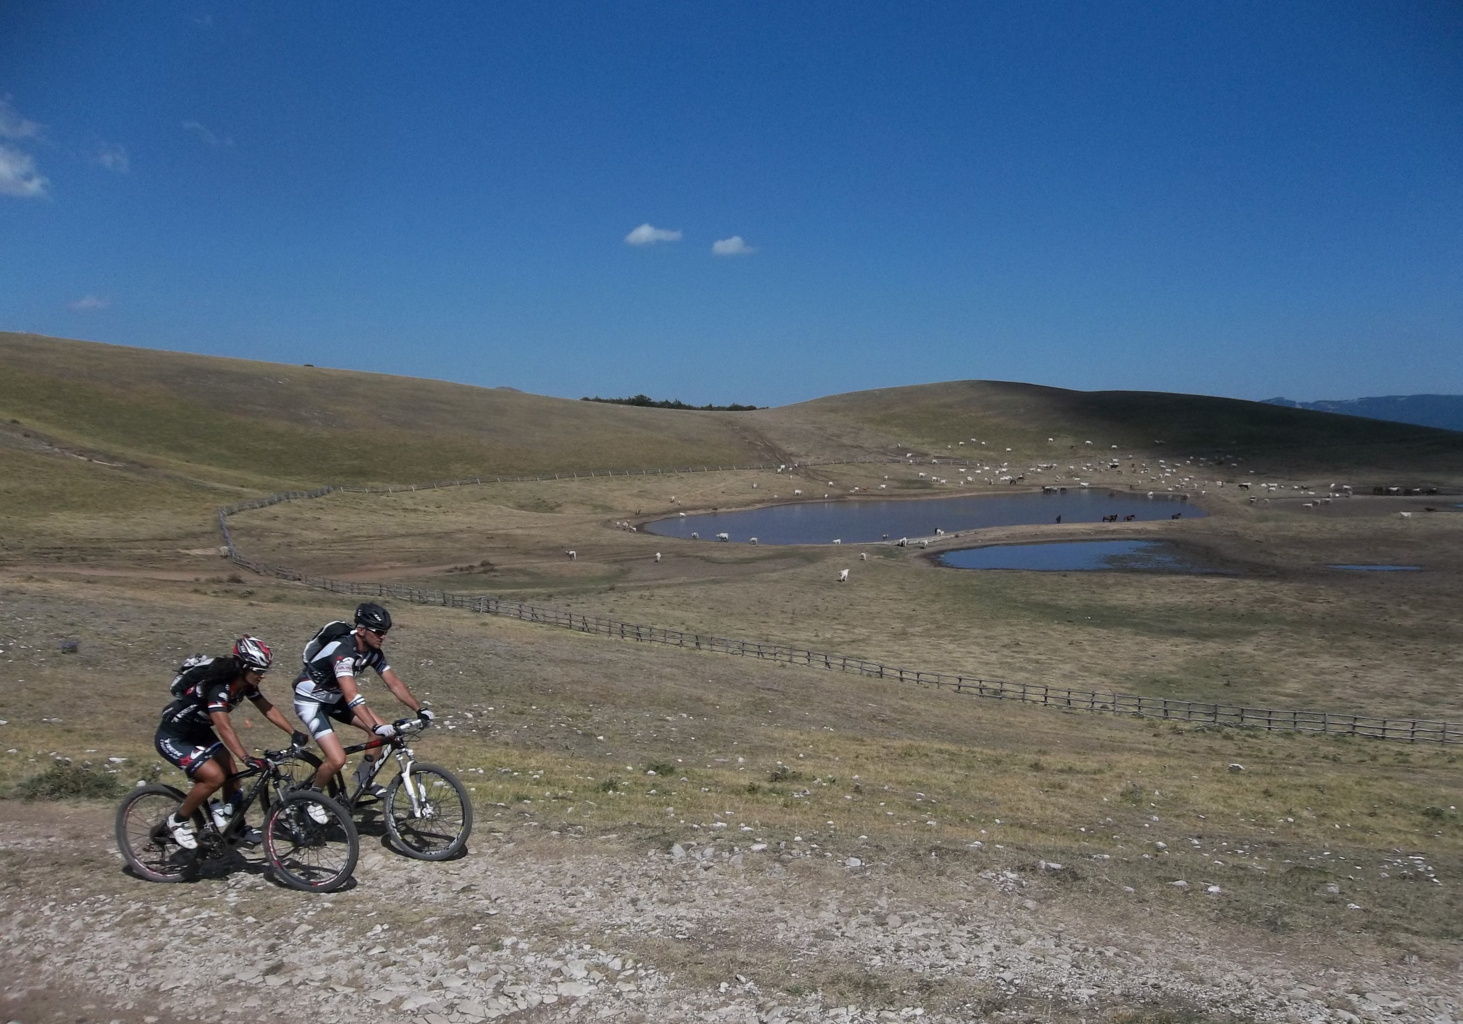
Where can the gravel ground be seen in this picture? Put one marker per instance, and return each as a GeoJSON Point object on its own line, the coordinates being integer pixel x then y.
{"type": "Point", "coordinates": [541, 928]}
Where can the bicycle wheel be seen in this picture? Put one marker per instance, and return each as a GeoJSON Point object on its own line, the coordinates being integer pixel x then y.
{"type": "Point", "coordinates": [143, 837]}
{"type": "Point", "coordinates": [304, 853]}
{"type": "Point", "coordinates": [438, 827]}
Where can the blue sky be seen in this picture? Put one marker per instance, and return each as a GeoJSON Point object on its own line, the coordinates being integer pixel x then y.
{"type": "Point", "coordinates": [1245, 199]}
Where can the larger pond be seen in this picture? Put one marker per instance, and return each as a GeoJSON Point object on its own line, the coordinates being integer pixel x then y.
{"type": "Point", "coordinates": [866, 521]}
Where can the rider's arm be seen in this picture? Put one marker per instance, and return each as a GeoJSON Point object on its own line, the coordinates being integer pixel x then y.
{"type": "Point", "coordinates": [349, 690]}
{"type": "Point", "coordinates": [272, 713]}
{"type": "Point", "coordinates": [225, 730]}
{"type": "Point", "coordinates": [398, 689]}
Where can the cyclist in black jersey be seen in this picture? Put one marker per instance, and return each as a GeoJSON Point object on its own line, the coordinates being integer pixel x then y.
{"type": "Point", "coordinates": [195, 733]}
{"type": "Point", "coordinates": [327, 688]}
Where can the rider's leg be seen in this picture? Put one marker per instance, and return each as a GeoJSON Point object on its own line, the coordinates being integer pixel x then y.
{"type": "Point", "coordinates": [366, 720]}
{"type": "Point", "coordinates": [334, 760]}
{"type": "Point", "coordinates": [207, 777]}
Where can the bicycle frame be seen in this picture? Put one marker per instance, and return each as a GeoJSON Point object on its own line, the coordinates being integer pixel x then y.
{"type": "Point", "coordinates": [216, 839]}
{"type": "Point", "coordinates": [405, 760]}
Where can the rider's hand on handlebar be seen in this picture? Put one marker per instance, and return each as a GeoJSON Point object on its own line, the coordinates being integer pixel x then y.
{"type": "Point", "coordinates": [386, 730]}
{"type": "Point", "coordinates": [299, 739]}
{"type": "Point", "coordinates": [257, 763]}
{"type": "Point", "coordinates": [426, 716]}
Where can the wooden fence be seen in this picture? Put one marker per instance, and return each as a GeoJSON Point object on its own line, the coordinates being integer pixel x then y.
{"type": "Point", "coordinates": [1064, 698]}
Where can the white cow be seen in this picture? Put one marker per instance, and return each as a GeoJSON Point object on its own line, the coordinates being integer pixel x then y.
{"type": "Point", "coordinates": [842, 575]}
{"type": "Point", "coordinates": [657, 556]}
{"type": "Point", "coordinates": [863, 556]}
{"type": "Point", "coordinates": [573, 555]}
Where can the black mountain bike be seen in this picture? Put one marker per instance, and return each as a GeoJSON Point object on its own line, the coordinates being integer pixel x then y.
{"type": "Point", "coordinates": [427, 811]}
{"type": "Point", "coordinates": [304, 853]}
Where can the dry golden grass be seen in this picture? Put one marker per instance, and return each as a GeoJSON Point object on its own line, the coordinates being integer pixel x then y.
{"type": "Point", "coordinates": [1283, 632]}
{"type": "Point", "coordinates": [103, 554]}
{"type": "Point", "coordinates": [561, 729]}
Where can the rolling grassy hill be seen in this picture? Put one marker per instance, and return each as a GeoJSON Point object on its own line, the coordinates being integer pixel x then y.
{"type": "Point", "coordinates": [242, 426]}
{"type": "Point", "coordinates": [267, 425]}
{"type": "Point", "coordinates": [1025, 416]}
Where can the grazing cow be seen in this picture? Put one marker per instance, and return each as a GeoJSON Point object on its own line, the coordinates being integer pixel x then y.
{"type": "Point", "coordinates": [924, 543]}
{"type": "Point", "coordinates": [1405, 515]}
{"type": "Point", "coordinates": [796, 494]}
{"type": "Point", "coordinates": [1110, 519]}
{"type": "Point", "coordinates": [1129, 519]}
{"type": "Point", "coordinates": [573, 555]}
{"type": "Point", "coordinates": [837, 540]}
{"type": "Point", "coordinates": [863, 556]}
{"type": "Point", "coordinates": [842, 575]}
{"type": "Point", "coordinates": [1176, 515]}
{"type": "Point", "coordinates": [723, 536]}
{"type": "Point", "coordinates": [695, 536]}
{"type": "Point", "coordinates": [902, 542]}
{"type": "Point", "coordinates": [1059, 519]}
{"type": "Point", "coordinates": [752, 540]}
{"type": "Point", "coordinates": [657, 556]}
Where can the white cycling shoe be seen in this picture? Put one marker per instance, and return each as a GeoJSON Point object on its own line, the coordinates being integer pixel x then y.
{"type": "Point", "coordinates": [182, 833]}
{"type": "Point", "coordinates": [317, 812]}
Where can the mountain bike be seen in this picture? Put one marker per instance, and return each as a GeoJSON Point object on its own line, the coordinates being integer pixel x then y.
{"type": "Point", "coordinates": [303, 853]}
{"type": "Point", "coordinates": [427, 811]}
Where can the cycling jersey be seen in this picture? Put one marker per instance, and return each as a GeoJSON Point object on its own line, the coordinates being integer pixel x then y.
{"type": "Point", "coordinates": [319, 681]}
{"type": "Point", "coordinates": [208, 688]}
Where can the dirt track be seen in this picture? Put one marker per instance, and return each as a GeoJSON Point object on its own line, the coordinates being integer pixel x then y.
{"type": "Point", "coordinates": [557, 927]}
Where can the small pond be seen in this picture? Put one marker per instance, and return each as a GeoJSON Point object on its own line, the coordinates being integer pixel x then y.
{"type": "Point", "coordinates": [1078, 556]}
{"type": "Point", "coordinates": [862, 521]}
{"type": "Point", "coordinates": [1377, 568]}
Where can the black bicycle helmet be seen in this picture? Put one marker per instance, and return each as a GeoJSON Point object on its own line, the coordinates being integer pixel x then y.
{"type": "Point", "coordinates": [253, 653]}
{"type": "Point", "coordinates": [373, 617]}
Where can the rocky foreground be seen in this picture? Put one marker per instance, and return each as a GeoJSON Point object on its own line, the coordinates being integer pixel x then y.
{"type": "Point", "coordinates": [539, 928]}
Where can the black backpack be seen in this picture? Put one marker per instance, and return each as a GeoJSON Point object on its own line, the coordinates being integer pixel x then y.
{"type": "Point", "coordinates": [329, 633]}
{"type": "Point", "coordinates": [186, 674]}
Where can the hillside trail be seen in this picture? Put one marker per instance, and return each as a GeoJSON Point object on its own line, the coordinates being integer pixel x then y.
{"type": "Point", "coordinates": [533, 927]}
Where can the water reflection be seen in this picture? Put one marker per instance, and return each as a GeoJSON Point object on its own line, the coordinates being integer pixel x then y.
{"type": "Point", "coordinates": [1377, 568]}
{"type": "Point", "coordinates": [1078, 556]}
{"type": "Point", "coordinates": [865, 521]}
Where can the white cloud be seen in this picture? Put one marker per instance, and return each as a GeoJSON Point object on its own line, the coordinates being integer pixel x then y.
{"type": "Point", "coordinates": [90, 302]}
{"type": "Point", "coordinates": [13, 126]}
{"type": "Point", "coordinates": [113, 158]}
{"type": "Point", "coordinates": [733, 246]}
{"type": "Point", "coordinates": [205, 136]}
{"type": "Point", "coordinates": [647, 235]}
{"type": "Point", "coordinates": [18, 175]}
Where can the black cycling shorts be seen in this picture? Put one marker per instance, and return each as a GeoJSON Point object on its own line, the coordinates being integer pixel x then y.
{"type": "Point", "coordinates": [187, 753]}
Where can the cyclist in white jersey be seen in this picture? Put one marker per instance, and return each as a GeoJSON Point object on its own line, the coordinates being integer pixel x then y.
{"type": "Point", "coordinates": [327, 687]}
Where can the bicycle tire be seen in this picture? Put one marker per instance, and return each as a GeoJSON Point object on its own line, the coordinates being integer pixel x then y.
{"type": "Point", "coordinates": [143, 839]}
{"type": "Point", "coordinates": [305, 855]}
{"type": "Point", "coordinates": [442, 831]}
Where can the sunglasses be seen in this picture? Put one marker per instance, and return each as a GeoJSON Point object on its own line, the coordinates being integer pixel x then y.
{"type": "Point", "coordinates": [380, 634]}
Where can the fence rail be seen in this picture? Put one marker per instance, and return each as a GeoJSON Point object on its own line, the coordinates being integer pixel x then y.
{"type": "Point", "coordinates": [1064, 698]}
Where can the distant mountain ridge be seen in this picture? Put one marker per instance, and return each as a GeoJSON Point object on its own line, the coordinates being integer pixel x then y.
{"type": "Point", "coordinates": [1443, 411]}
